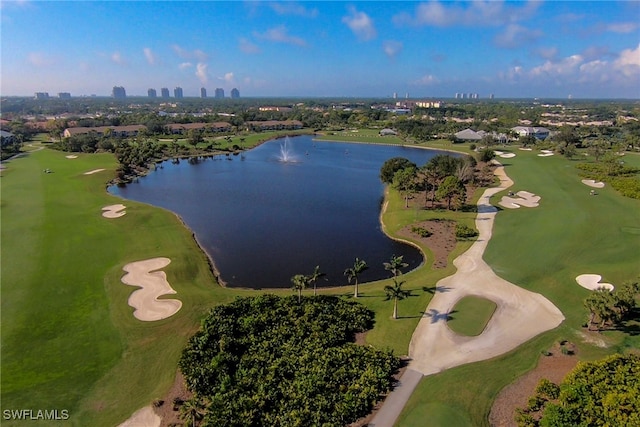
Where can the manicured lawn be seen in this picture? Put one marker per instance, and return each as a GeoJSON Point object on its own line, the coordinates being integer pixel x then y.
{"type": "Point", "coordinates": [543, 249]}
{"type": "Point", "coordinates": [471, 315]}
{"type": "Point", "coordinates": [69, 340]}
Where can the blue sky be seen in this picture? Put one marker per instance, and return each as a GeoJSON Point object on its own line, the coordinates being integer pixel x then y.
{"type": "Point", "coordinates": [334, 48]}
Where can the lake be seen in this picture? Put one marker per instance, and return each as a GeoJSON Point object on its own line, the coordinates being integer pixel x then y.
{"type": "Point", "coordinates": [263, 220]}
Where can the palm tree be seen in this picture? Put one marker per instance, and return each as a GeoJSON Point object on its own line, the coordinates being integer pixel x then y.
{"type": "Point", "coordinates": [192, 411]}
{"type": "Point", "coordinates": [397, 293]}
{"type": "Point", "coordinates": [300, 282]}
{"type": "Point", "coordinates": [395, 264]}
{"type": "Point", "coordinates": [352, 273]}
{"type": "Point", "coordinates": [313, 278]}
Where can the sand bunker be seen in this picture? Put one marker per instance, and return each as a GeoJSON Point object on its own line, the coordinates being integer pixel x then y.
{"type": "Point", "coordinates": [153, 284]}
{"type": "Point", "coordinates": [144, 417]}
{"type": "Point", "coordinates": [526, 199]}
{"type": "Point", "coordinates": [93, 171]}
{"type": "Point", "coordinates": [545, 153]}
{"type": "Point", "coordinates": [71, 157]}
{"type": "Point", "coordinates": [525, 149]}
{"type": "Point", "coordinates": [592, 282]}
{"type": "Point", "coordinates": [114, 211]}
{"type": "Point", "coordinates": [593, 183]}
{"type": "Point", "coordinates": [504, 155]}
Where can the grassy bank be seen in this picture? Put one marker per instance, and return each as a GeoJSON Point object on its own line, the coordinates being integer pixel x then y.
{"type": "Point", "coordinates": [541, 249]}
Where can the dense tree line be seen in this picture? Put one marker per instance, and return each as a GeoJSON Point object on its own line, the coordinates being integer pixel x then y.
{"type": "Point", "coordinates": [609, 308]}
{"type": "Point", "coordinates": [275, 361]}
{"type": "Point", "coordinates": [600, 393]}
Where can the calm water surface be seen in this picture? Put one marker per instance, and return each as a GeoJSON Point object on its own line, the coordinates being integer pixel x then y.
{"type": "Point", "coordinates": [263, 221]}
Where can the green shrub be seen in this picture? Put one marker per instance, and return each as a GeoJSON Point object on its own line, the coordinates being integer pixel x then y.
{"type": "Point", "coordinates": [465, 232]}
{"type": "Point", "coordinates": [421, 231]}
{"type": "Point", "coordinates": [548, 389]}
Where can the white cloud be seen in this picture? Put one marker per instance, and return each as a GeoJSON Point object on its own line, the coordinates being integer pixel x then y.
{"type": "Point", "coordinates": [151, 58]}
{"type": "Point", "coordinates": [361, 24]}
{"type": "Point", "coordinates": [391, 48]}
{"type": "Point", "coordinates": [427, 80]}
{"type": "Point", "coordinates": [201, 72]}
{"type": "Point", "coordinates": [623, 27]}
{"type": "Point", "coordinates": [549, 53]}
{"type": "Point", "coordinates": [185, 65]}
{"type": "Point", "coordinates": [228, 78]}
{"type": "Point", "coordinates": [476, 13]}
{"type": "Point", "coordinates": [117, 58]}
{"type": "Point", "coordinates": [188, 54]}
{"type": "Point", "coordinates": [39, 59]}
{"type": "Point", "coordinates": [293, 8]}
{"type": "Point", "coordinates": [628, 63]}
{"type": "Point", "coordinates": [247, 46]}
{"type": "Point", "coordinates": [280, 35]}
{"type": "Point", "coordinates": [515, 36]}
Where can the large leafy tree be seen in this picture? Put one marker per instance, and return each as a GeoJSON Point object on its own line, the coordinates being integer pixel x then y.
{"type": "Point", "coordinates": [271, 361]}
{"type": "Point", "coordinates": [405, 182]}
{"type": "Point", "coordinates": [600, 393]}
{"type": "Point", "coordinates": [451, 189]}
{"type": "Point", "coordinates": [393, 165]}
{"type": "Point", "coordinates": [352, 273]}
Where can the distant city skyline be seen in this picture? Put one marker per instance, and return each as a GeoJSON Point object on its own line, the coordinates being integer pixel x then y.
{"type": "Point", "coordinates": [431, 49]}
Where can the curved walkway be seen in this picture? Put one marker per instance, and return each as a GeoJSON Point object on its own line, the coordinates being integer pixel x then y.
{"type": "Point", "coordinates": [520, 315]}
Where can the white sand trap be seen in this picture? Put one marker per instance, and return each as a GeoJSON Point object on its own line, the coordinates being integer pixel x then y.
{"type": "Point", "coordinates": [593, 183]}
{"type": "Point", "coordinates": [93, 171]}
{"type": "Point", "coordinates": [525, 149]}
{"type": "Point", "coordinates": [498, 153]}
{"type": "Point", "coordinates": [144, 417]}
{"type": "Point", "coordinates": [71, 157]}
{"type": "Point", "coordinates": [592, 282]}
{"type": "Point", "coordinates": [507, 155]}
{"type": "Point", "coordinates": [114, 211]}
{"type": "Point", "coordinates": [153, 284]}
{"type": "Point", "coordinates": [524, 198]}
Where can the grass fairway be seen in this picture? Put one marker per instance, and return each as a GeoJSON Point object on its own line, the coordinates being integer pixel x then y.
{"type": "Point", "coordinates": [69, 340]}
{"type": "Point", "coordinates": [471, 315]}
{"type": "Point", "coordinates": [542, 249]}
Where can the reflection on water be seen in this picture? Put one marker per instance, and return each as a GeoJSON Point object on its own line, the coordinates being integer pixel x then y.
{"type": "Point", "coordinates": [263, 220]}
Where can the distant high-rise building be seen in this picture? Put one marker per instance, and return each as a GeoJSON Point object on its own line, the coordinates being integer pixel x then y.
{"type": "Point", "coordinates": [118, 92]}
{"type": "Point", "coordinates": [203, 92]}
{"type": "Point", "coordinates": [64, 95]}
{"type": "Point", "coordinates": [152, 93]}
{"type": "Point", "coordinates": [164, 92]}
{"type": "Point", "coordinates": [41, 95]}
{"type": "Point", "coordinates": [177, 92]}
{"type": "Point", "coordinates": [395, 95]}
{"type": "Point", "coordinates": [235, 93]}
{"type": "Point", "coordinates": [219, 92]}
{"type": "Point", "coordinates": [491, 96]}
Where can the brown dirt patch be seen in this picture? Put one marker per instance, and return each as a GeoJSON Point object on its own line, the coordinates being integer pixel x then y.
{"type": "Point", "coordinates": [516, 395]}
{"type": "Point", "coordinates": [441, 241]}
{"type": "Point", "coordinates": [169, 416]}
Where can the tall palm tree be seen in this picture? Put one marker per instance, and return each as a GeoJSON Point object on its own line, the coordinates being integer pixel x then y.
{"type": "Point", "coordinates": [397, 293]}
{"type": "Point", "coordinates": [352, 273]}
{"type": "Point", "coordinates": [300, 282]}
{"type": "Point", "coordinates": [313, 278]}
{"type": "Point", "coordinates": [192, 411]}
{"type": "Point", "coordinates": [395, 264]}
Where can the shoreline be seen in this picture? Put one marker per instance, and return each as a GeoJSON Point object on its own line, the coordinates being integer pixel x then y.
{"type": "Point", "coordinates": [211, 261]}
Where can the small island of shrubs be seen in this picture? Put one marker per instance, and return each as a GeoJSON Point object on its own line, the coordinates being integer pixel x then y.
{"type": "Point", "coordinates": [277, 361]}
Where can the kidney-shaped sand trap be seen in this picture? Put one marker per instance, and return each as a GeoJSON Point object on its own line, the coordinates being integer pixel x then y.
{"type": "Point", "coordinates": [545, 153]}
{"type": "Point", "coordinates": [524, 198]}
{"type": "Point", "coordinates": [592, 282]}
{"type": "Point", "coordinates": [153, 284]}
{"type": "Point", "coordinates": [114, 211]}
{"type": "Point", "coordinates": [593, 183]}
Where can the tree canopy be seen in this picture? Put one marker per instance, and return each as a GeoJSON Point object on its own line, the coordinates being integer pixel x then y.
{"type": "Point", "coordinates": [273, 361]}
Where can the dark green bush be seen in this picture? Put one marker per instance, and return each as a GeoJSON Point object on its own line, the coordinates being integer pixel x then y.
{"type": "Point", "coordinates": [465, 232]}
